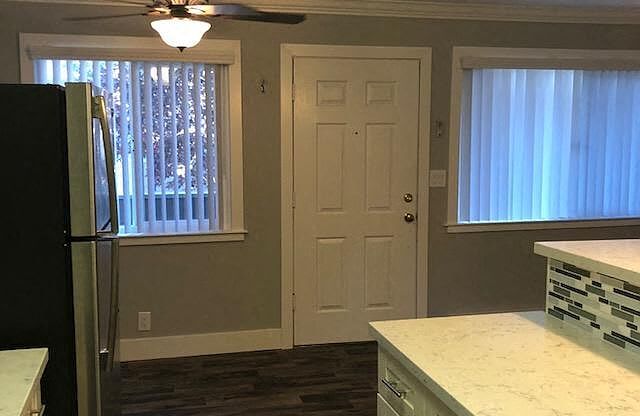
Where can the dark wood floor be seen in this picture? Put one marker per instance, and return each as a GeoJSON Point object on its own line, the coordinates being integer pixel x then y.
{"type": "Point", "coordinates": [327, 380]}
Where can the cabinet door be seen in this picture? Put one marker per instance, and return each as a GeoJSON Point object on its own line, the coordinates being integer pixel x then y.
{"type": "Point", "coordinates": [384, 409]}
{"type": "Point", "coordinates": [34, 406]}
{"type": "Point", "coordinates": [400, 388]}
{"type": "Point", "coordinates": [403, 393]}
{"type": "Point", "coordinates": [435, 407]}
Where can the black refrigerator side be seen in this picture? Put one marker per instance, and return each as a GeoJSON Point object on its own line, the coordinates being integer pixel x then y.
{"type": "Point", "coordinates": [36, 308]}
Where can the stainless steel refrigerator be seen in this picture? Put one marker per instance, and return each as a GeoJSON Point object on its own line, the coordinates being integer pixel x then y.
{"type": "Point", "coordinates": [59, 283]}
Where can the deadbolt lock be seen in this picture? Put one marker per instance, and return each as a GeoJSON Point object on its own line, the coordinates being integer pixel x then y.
{"type": "Point", "coordinates": [407, 197]}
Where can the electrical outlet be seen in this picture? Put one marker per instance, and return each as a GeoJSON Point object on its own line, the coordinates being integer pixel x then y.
{"type": "Point", "coordinates": [144, 321]}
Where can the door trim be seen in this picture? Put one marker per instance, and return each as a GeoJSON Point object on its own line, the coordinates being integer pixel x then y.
{"type": "Point", "coordinates": [287, 54]}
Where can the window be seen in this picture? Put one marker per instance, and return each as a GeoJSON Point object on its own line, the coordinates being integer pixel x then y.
{"type": "Point", "coordinates": [163, 121]}
{"type": "Point", "coordinates": [170, 125]}
{"type": "Point", "coordinates": [539, 144]}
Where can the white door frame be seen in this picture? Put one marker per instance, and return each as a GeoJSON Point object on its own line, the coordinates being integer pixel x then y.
{"type": "Point", "coordinates": [287, 54]}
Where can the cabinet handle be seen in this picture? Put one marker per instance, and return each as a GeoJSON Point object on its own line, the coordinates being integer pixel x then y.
{"type": "Point", "coordinates": [392, 386]}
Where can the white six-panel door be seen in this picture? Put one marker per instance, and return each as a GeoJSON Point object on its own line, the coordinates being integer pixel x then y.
{"type": "Point", "coordinates": [355, 159]}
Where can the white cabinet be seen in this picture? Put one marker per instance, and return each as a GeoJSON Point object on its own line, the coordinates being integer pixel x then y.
{"type": "Point", "coordinates": [400, 393]}
{"type": "Point", "coordinates": [22, 370]}
{"type": "Point", "coordinates": [384, 408]}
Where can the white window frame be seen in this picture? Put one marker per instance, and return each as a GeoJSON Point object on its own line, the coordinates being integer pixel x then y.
{"type": "Point", "coordinates": [227, 52]}
{"type": "Point", "coordinates": [487, 57]}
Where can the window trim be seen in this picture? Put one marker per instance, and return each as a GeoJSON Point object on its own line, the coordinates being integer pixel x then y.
{"type": "Point", "coordinates": [464, 57]}
{"type": "Point", "coordinates": [540, 225]}
{"type": "Point", "coordinates": [130, 240]}
{"type": "Point", "coordinates": [226, 52]}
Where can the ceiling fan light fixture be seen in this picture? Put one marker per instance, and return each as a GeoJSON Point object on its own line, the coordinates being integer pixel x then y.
{"type": "Point", "coordinates": [180, 32]}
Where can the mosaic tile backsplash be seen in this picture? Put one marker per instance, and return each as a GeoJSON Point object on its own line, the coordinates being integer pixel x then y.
{"type": "Point", "coordinates": [606, 306]}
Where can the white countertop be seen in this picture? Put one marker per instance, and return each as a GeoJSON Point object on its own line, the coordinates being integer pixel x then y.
{"type": "Point", "coordinates": [19, 371]}
{"type": "Point", "coordinates": [524, 364]}
{"type": "Point", "coordinates": [616, 258]}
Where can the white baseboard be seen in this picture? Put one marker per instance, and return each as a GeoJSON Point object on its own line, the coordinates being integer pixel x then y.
{"type": "Point", "coordinates": [134, 349]}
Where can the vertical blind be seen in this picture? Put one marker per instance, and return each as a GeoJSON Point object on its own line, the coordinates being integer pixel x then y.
{"type": "Point", "coordinates": [549, 145]}
{"type": "Point", "coordinates": [163, 119]}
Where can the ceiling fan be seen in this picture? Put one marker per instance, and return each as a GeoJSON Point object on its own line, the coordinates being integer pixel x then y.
{"type": "Point", "coordinates": [182, 22]}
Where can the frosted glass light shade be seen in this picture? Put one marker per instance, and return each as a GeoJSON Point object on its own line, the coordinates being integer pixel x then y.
{"type": "Point", "coordinates": [180, 32]}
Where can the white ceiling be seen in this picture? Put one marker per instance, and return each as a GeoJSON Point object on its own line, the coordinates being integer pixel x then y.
{"type": "Point", "coordinates": [530, 3]}
{"type": "Point", "coordinates": [573, 11]}
{"type": "Point", "coordinates": [550, 3]}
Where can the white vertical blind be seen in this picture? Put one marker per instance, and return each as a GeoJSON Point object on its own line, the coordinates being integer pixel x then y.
{"type": "Point", "coordinates": [165, 136]}
{"type": "Point", "coordinates": [162, 162]}
{"type": "Point", "coordinates": [174, 147]}
{"type": "Point", "coordinates": [126, 219]}
{"type": "Point", "coordinates": [186, 145]}
{"type": "Point", "coordinates": [549, 145]}
{"type": "Point", "coordinates": [212, 174]}
{"type": "Point", "coordinates": [198, 69]}
{"type": "Point", "coordinates": [138, 150]}
{"type": "Point", "coordinates": [148, 146]}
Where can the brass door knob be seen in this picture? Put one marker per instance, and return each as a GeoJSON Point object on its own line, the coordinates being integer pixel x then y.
{"type": "Point", "coordinates": [408, 217]}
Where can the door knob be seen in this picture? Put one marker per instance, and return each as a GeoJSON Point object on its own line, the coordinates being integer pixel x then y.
{"type": "Point", "coordinates": [408, 217]}
{"type": "Point", "coordinates": [407, 197]}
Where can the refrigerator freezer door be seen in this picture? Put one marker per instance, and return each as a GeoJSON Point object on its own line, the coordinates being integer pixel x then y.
{"type": "Point", "coordinates": [108, 282]}
{"type": "Point", "coordinates": [85, 300]}
{"type": "Point", "coordinates": [95, 284]}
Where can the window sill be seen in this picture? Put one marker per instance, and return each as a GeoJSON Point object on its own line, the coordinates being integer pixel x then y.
{"type": "Point", "coordinates": [539, 225]}
{"type": "Point", "coordinates": [186, 238]}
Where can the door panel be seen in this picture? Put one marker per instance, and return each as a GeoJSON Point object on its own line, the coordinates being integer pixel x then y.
{"type": "Point", "coordinates": [355, 156]}
{"type": "Point", "coordinates": [377, 272]}
{"type": "Point", "coordinates": [332, 288]}
{"type": "Point", "coordinates": [379, 143]}
{"type": "Point", "coordinates": [329, 166]}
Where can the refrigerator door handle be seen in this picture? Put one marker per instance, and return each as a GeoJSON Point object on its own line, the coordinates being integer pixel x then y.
{"type": "Point", "coordinates": [112, 330]}
{"type": "Point", "coordinates": [103, 358]}
{"type": "Point", "coordinates": [99, 111]}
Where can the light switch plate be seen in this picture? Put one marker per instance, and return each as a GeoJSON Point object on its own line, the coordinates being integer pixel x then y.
{"type": "Point", "coordinates": [437, 178]}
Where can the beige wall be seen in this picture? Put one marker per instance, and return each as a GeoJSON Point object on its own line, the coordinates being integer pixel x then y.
{"type": "Point", "coordinates": [232, 286]}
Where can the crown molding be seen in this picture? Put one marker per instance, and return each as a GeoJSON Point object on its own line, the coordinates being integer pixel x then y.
{"type": "Point", "coordinates": [426, 9]}
{"type": "Point", "coordinates": [457, 10]}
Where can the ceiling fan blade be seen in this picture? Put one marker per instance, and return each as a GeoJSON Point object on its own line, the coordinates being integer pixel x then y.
{"type": "Point", "coordinates": [141, 3]}
{"type": "Point", "coordinates": [222, 9]}
{"type": "Point", "coordinates": [113, 16]}
{"type": "Point", "coordinates": [134, 2]}
{"type": "Point", "coordinates": [285, 18]}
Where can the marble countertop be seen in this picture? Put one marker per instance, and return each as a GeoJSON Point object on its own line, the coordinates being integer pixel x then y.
{"type": "Point", "coordinates": [19, 370]}
{"type": "Point", "coordinates": [524, 364]}
{"type": "Point", "coordinates": [616, 258]}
